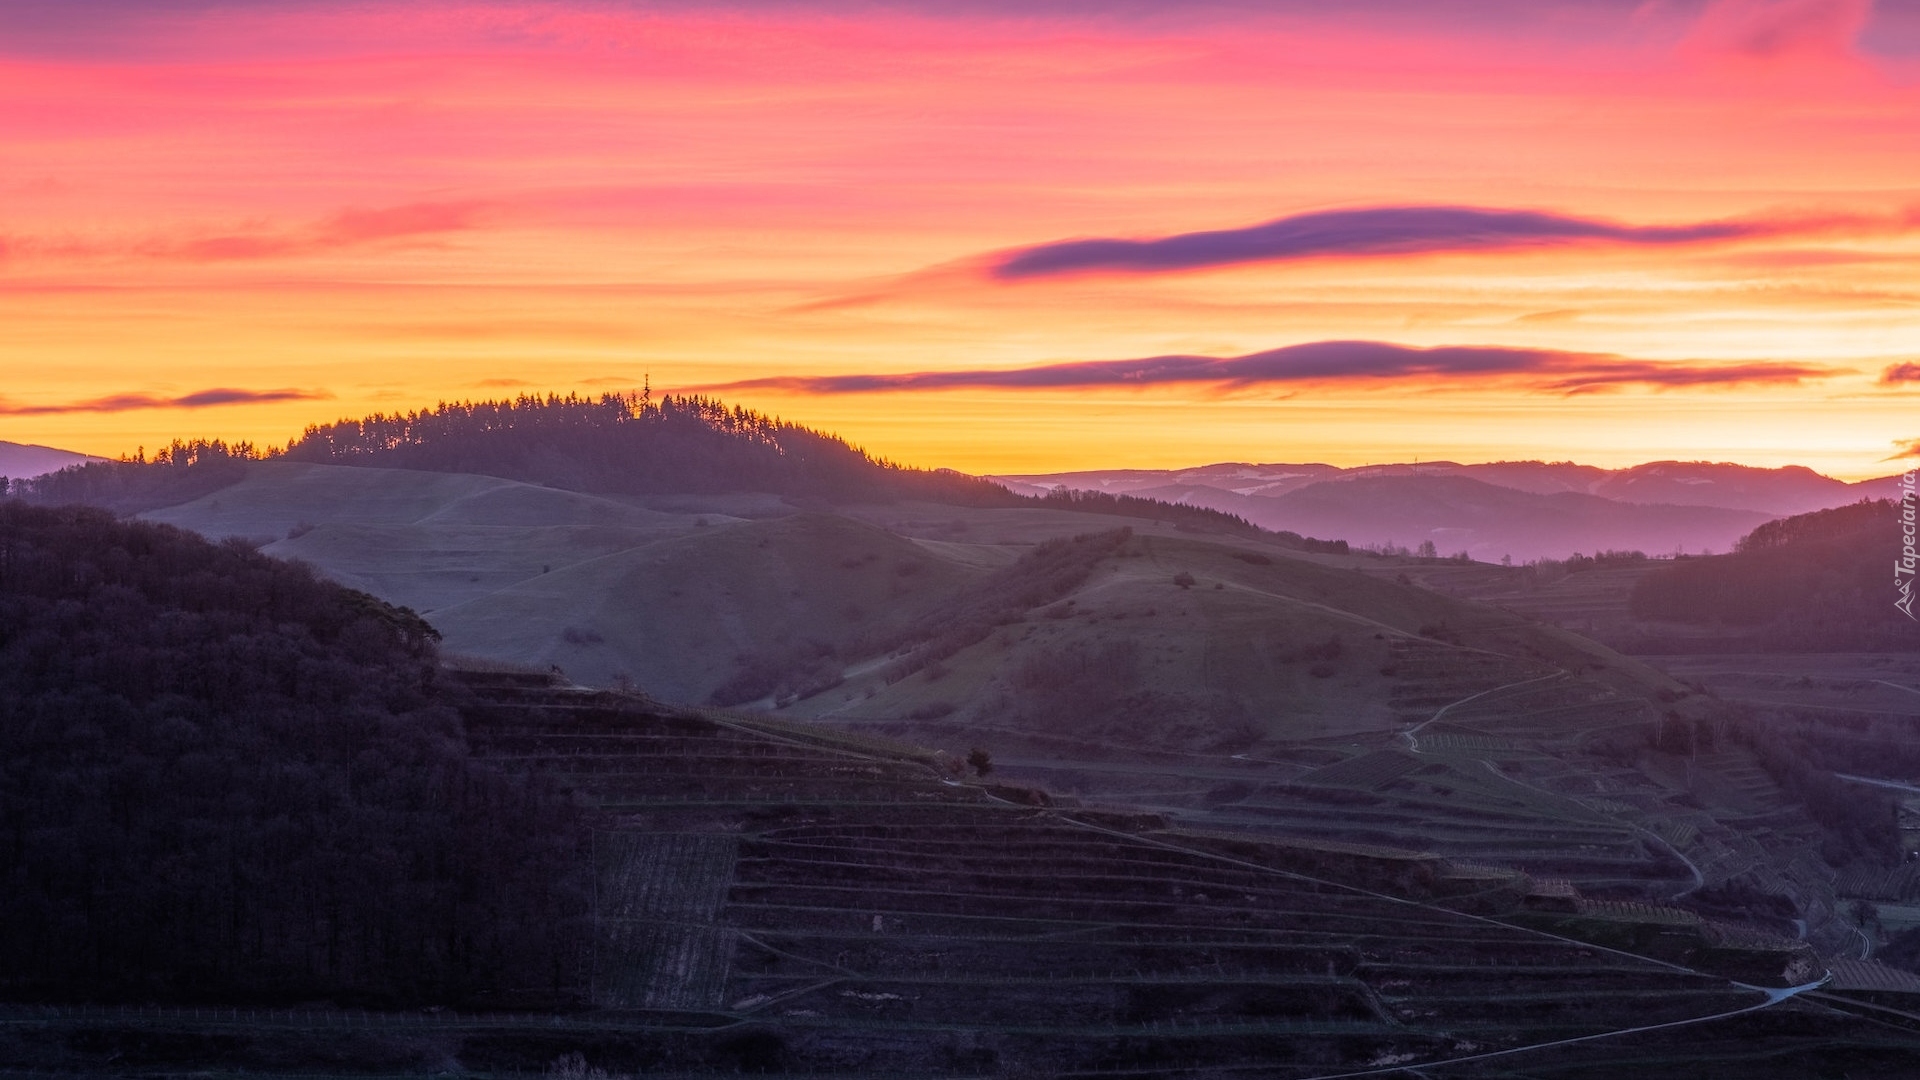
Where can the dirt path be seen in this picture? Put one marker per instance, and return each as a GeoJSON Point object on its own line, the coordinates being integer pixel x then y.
{"type": "Point", "coordinates": [1772, 995]}
{"type": "Point", "coordinates": [1412, 734]}
{"type": "Point", "coordinates": [1413, 745]}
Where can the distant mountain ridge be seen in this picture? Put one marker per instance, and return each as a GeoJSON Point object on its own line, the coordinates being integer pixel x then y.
{"type": "Point", "coordinates": [1792, 489]}
{"type": "Point", "coordinates": [22, 461]}
{"type": "Point", "coordinates": [1521, 509]}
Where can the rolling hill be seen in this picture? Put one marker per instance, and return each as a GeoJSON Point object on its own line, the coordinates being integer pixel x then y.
{"type": "Point", "coordinates": [1215, 688]}
{"type": "Point", "coordinates": [1819, 582]}
{"type": "Point", "coordinates": [685, 601]}
{"type": "Point", "coordinates": [1229, 681]}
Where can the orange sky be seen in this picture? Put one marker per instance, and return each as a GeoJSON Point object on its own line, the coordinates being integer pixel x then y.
{"type": "Point", "coordinates": [324, 209]}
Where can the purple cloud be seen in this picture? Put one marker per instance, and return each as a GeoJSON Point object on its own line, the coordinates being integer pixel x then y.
{"type": "Point", "coordinates": [1320, 361]}
{"type": "Point", "coordinates": [1381, 230]}
{"type": "Point", "coordinates": [1900, 373]}
{"type": "Point", "coordinates": [200, 399]}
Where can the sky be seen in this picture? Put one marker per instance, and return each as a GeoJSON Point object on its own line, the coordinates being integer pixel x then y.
{"type": "Point", "coordinates": [979, 234]}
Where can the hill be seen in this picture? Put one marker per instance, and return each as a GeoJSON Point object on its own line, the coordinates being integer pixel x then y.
{"type": "Point", "coordinates": [621, 445]}
{"type": "Point", "coordinates": [774, 899]}
{"type": "Point", "coordinates": [689, 597]}
{"type": "Point", "coordinates": [1228, 680]}
{"type": "Point", "coordinates": [1819, 582]}
{"type": "Point", "coordinates": [613, 444]}
{"type": "Point", "coordinates": [1313, 717]}
{"type": "Point", "coordinates": [628, 445]}
{"type": "Point", "coordinates": [223, 778]}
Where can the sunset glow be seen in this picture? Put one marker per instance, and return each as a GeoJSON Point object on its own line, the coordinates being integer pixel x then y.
{"type": "Point", "coordinates": [1679, 230]}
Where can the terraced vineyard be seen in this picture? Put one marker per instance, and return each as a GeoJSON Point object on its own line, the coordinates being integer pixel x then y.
{"type": "Point", "coordinates": [780, 900]}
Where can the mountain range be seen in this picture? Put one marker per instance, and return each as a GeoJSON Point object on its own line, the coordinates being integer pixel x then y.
{"type": "Point", "coordinates": [1521, 510]}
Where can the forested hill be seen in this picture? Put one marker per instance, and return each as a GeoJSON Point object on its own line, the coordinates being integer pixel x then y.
{"type": "Point", "coordinates": [1814, 582]}
{"type": "Point", "coordinates": [626, 445]}
{"type": "Point", "coordinates": [223, 778]}
{"type": "Point", "coordinates": [615, 444]}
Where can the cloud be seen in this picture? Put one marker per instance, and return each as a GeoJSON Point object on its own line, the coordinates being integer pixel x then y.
{"type": "Point", "coordinates": [350, 228]}
{"type": "Point", "coordinates": [1373, 231]}
{"type": "Point", "coordinates": [200, 399]}
{"type": "Point", "coordinates": [1769, 29]}
{"type": "Point", "coordinates": [1900, 373]}
{"type": "Point", "coordinates": [1904, 448]}
{"type": "Point", "coordinates": [1321, 362]}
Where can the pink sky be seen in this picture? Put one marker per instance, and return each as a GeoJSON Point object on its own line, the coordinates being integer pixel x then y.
{"type": "Point", "coordinates": [337, 208]}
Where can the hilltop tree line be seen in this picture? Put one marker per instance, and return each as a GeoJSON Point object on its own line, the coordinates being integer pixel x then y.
{"type": "Point", "coordinates": [622, 444]}
{"type": "Point", "coordinates": [180, 472]}
{"type": "Point", "coordinates": [223, 778]}
{"type": "Point", "coordinates": [1818, 582]}
{"type": "Point", "coordinates": [628, 444]}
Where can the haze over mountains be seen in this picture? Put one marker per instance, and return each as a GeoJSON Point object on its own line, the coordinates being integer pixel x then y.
{"type": "Point", "coordinates": [1519, 509]}
{"type": "Point", "coordinates": [21, 460]}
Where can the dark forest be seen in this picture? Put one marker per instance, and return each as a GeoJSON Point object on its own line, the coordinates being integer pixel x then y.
{"type": "Point", "coordinates": [221, 778]}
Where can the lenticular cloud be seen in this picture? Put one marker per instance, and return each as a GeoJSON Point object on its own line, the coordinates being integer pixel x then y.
{"type": "Point", "coordinates": [1384, 230]}
{"type": "Point", "coordinates": [1323, 362]}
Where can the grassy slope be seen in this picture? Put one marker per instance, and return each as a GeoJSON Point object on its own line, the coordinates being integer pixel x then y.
{"type": "Point", "coordinates": [604, 586]}
{"type": "Point", "coordinates": [1242, 629]}
{"type": "Point", "coordinates": [679, 613]}
{"type": "Point", "coordinates": [601, 586]}
{"type": "Point", "coordinates": [676, 604]}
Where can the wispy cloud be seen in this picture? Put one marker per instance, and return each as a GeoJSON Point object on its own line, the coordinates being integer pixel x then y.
{"type": "Point", "coordinates": [350, 228]}
{"type": "Point", "coordinates": [1768, 29]}
{"type": "Point", "coordinates": [1904, 448]}
{"type": "Point", "coordinates": [347, 229]}
{"type": "Point", "coordinates": [1900, 373]}
{"type": "Point", "coordinates": [1323, 362]}
{"type": "Point", "coordinates": [1371, 231]}
{"type": "Point", "coordinates": [199, 399]}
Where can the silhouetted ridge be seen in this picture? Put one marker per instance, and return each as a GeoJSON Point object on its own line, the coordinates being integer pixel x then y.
{"type": "Point", "coordinates": [1842, 523]}
{"type": "Point", "coordinates": [1821, 582]}
{"type": "Point", "coordinates": [1196, 518]}
{"type": "Point", "coordinates": [179, 473]}
{"type": "Point", "coordinates": [621, 444]}
{"type": "Point", "coordinates": [625, 444]}
{"type": "Point", "coordinates": [223, 778]}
